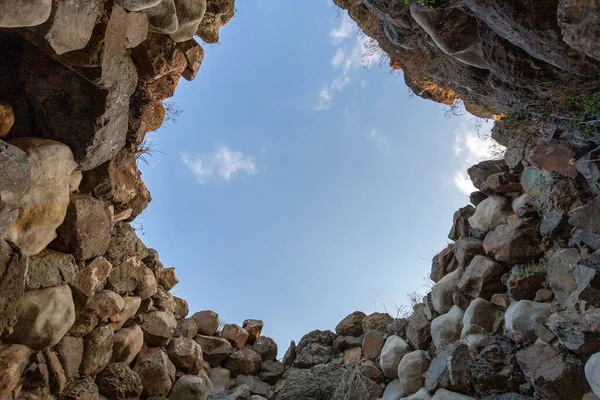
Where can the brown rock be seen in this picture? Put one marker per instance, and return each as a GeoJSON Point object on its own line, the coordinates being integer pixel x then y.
{"type": "Point", "coordinates": [146, 285]}
{"type": "Point", "coordinates": [502, 182]}
{"type": "Point", "coordinates": [290, 355]}
{"type": "Point", "coordinates": [214, 349]}
{"type": "Point", "coordinates": [164, 301]}
{"type": "Point", "coordinates": [98, 348]}
{"type": "Point", "coordinates": [124, 244]}
{"type": "Point", "coordinates": [13, 266]}
{"type": "Point", "coordinates": [56, 373]}
{"type": "Point", "coordinates": [243, 362]}
{"type": "Point", "coordinates": [7, 119]}
{"type": "Point", "coordinates": [118, 381]}
{"type": "Point", "coordinates": [376, 321]}
{"type": "Point", "coordinates": [466, 248]}
{"type": "Point", "coordinates": [501, 300]}
{"type": "Point", "coordinates": [50, 268]}
{"type": "Point", "coordinates": [181, 308]}
{"type": "Point", "coordinates": [125, 276]}
{"type": "Point", "coordinates": [158, 56]}
{"type": "Point", "coordinates": [373, 343]}
{"type": "Point", "coordinates": [91, 279]}
{"type": "Point", "coordinates": [132, 304]}
{"type": "Point", "coordinates": [186, 354]}
{"type": "Point", "coordinates": [525, 280]}
{"type": "Point", "coordinates": [577, 331]}
{"type": "Point", "coordinates": [443, 263]}
{"type": "Point", "coordinates": [15, 173]}
{"type": "Point", "coordinates": [449, 369]}
{"type": "Point", "coordinates": [254, 328]}
{"type": "Point", "coordinates": [207, 321]}
{"type": "Point", "coordinates": [587, 217]}
{"type": "Point", "coordinates": [82, 388]}
{"type": "Point", "coordinates": [480, 172]}
{"type": "Point", "coordinates": [515, 243]}
{"type": "Point", "coordinates": [194, 55]}
{"type": "Point", "coordinates": [578, 26]}
{"type": "Point", "coordinates": [218, 13]}
{"type": "Point", "coordinates": [351, 325]}
{"type": "Point", "coordinates": [156, 372]}
{"type": "Point", "coordinates": [186, 328]}
{"type": "Point", "coordinates": [460, 223]}
{"type": "Point", "coordinates": [152, 261]}
{"type": "Point", "coordinates": [168, 279]}
{"type": "Point", "coordinates": [70, 354]}
{"type": "Point", "coordinates": [127, 343]}
{"type": "Point", "coordinates": [544, 296]}
{"type": "Point", "coordinates": [418, 332]}
{"type": "Point", "coordinates": [105, 303]}
{"type": "Point", "coordinates": [554, 156]}
{"type": "Point", "coordinates": [86, 230]}
{"type": "Point", "coordinates": [266, 348]}
{"type": "Point", "coordinates": [13, 361]}
{"type": "Point", "coordinates": [158, 327]}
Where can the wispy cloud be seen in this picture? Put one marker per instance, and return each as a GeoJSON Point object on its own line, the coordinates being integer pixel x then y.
{"type": "Point", "coordinates": [223, 164]}
{"type": "Point", "coordinates": [472, 144]}
{"type": "Point", "coordinates": [380, 139]}
{"type": "Point", "coordinates": [325, 99]}
{"type": "Point", "coordinates": [343, 31]}
{"type": "Point", "coordinates": [338, 58]}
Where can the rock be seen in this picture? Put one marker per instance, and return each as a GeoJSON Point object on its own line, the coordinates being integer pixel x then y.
{"type": "Point", "coordinates": [544, 296]}
{"type": "Point", "coordinates": [525, 280]}
{"type": "Point", "coordinates": [71, 25]}
{"type": "Point", "coordinates": [56, 374]}
{"type": "Point", "coordinates": [43, 317]}
{"type": "Point", "coordinates": [155, 370]}
{"type": "Point", "coordinates": [587, 217]}
{"type": "Point", "coordinates": [480, 172]}
{"type": "Point", "coordinates": [243, 362]}
{"type": "Point", "coordinates": [491, 213]}
{"type": "Point", "coordinates": [290, 355]}
{"type": "Point", "coordinates": [132, 304]}
{"type": "Point", "coordinates": [369, 369]}
{"type": "Point", "coordinates": [105, 303]}
{"type": "Point", "coordinates": [13, 267]}
{"type": "Point", "coordinates": [14, 358]}
{"type": "Point", "coordinates": [372, 344]}
{"type": "Point", "coordinates": [164, 301]}
{"type": "Point", "coordinates": [50, 268]}
{"type": "Point", "coordinates": [411, 369]}
{"type": "Point", "coordinates": [466, 249]}
{"type": "Point", "coordinates": [577, 331]}
{"type": "Point", "coordinates": [254, 328]}
{"type": "Point", "coordinates": [86, 230]}
{"type": "Point", "coordinates": [158, 328]}
{"type": "Point", "coordinates": [578, 26]}
{"type": "Point", "coordinates": [43, 206]}
{"type": "Point", "coordinates": [418, 332]}
{"type": "Point", "coordinates": [163, 17]}
{"type": "Point", "coordinates": [524, 206]}
{"type": "Point", "coordinates": [501, 300]}
{"type": "Point", "coordinates": [271, 371]}
{"type": "Point", "coordinates": [124, 244]}
{"type": "Point", "coordinates": [444, 394]}
{"type": "Point", "coordinates": [502, 182]}
{"type": "Point", "coordinates": [207, 321]}
{"type": "Point", "coordinates": [127, 343]}
{"type": "Point", "coordinates": [188, 387]}
{"type": "Point", "coordinates": [7, 119]}
{"type": "Point", "coordinates": [186, 354]}
{"type": "Point", "coordinates": [524, 315]}
{"type": "Point", "coordinates": [255, 385]}
{"type": "Point", "coordinates": [91, 279]}
{"type": "Point", "coordinates": [98, 349]}
{"type": "Point", "coordinates": [138, 5]}
{"type": "Point", "coordinates": [481, 317]}
{"type": "Point", "coordinates": [443, 263]}
{"type": "Point", "coordinates": [214, 349]}
{"type": "Point", "coordinates": [553, 373]}
{"type": "Point", "coordinates": [158, 56]}
{"type": "Point", "coordinates": [377, 322]}
{"type": "Point", "coordinates": [70, 354]}
{"type": "Point", "coordinates": [446, 328]}
{"type": "Point", "coordinates": [146, 286]}
{"type": "Point", "coordinates": [194, 55]}
{"type": "Point", "coordinates": [393, 390]}
{"type": "Point", "coordinates": [554, 223]}
{"type": "Point", "coordinates": [560, 273]}
{"type": "Point", "coordinates": [82, 388]}
{"type": "Point", "coordinates": [312, 354]}
{"type": "Point", "coordinates": [125, 276]}
{"type": "Point", "coordinates": [394, 349]}
{"type": "Point", "coordinates": [218, 13]}
{"type": "Point", "coordinates": [592, 373]}
{"type": "Point", "coordinates": [15, 176]}
{"type": "Point", "coordinates": [537, 183]}
{"type": "Point", "coordinates": [189, 15]}
{"type": "Point", "coordinates": [20, 13]}
{"type": "Point", "coordinates": [181, 308]}
{"type": "Point", "coordinates": [477, 197]}
{"type": "Point", "coordinates": [319, 383]}
{"type": "Point", "coordinates": [137, 29]}
{"type": "Point", "coordinates": [588, 288]}
{"type": "Point", "coordinates": [422, 394]}
{"type": "Point", "coordinates": [266, 348]}
{"type": "Point", "coordinates": [186, 328]}
{"type": "Point", "coordinates": [235, 334]}
{"type": "Point", "coordinates": [441, 293]}
{"type": "Point", "coordinates": [449, 369]}
{"type": "Point", "coordinates": [168, 279]}
{"type": "Point", "coordinates": [85, 321]}
{"type": "Point", "coordinates": [554, 156]}
{"type": "Point", "coordinates": [515, 243]}
{"type": "Point", "coordinates": [460, 223]}
{"type": "Point", "coordinates": [351, 325]}
{"type": "Point", "coordinates": [482, 278]}
{"type": "Point", "coordinates": [118, 382]}
{"type": "Point", "coordinates": [495, 369]}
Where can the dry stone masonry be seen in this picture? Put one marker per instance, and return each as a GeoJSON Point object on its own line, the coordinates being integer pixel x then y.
{"type": "Point", "coordinates": [85, 307]}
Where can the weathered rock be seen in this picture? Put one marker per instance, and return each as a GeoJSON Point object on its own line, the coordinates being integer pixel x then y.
{"type": "Point", "coordinates": [13, 361]}
{"type": "Point", "coordinates": [502, 182]}
{"type": "Point", "coordinates": [70, 354]}
{"type": "Point", "coordinates": [85, 321]}
{"type": "Point", "coordinates": [481, 317]}
{"type": "Point", "coordinates": [254, 328]}
{"type": "Point", "coordinates": [501, 300]}
{"type": "Point", "coordinates": [376, 321]}
{"type": "Point", "coordinates": [155, 370]}
{"type": "Point", "coordinates": [146, 285]}
{"type": "Point", "coordinates": [188, 387]}
{"type": "Point", "coordinates": [444, 394]}
{"type": "Point", "coordinates": [235, 334]}
{"type": "Point", "coordinates": [460, 223]}
{"type": "Point", "coordinates": [137, 5]}
{"type": "Point", "coordinates": [125, 276]}
{"type": "Point", "coordinates": [194, 55]}
{"type": "Point", "coordinates": [560, 273]}
{"type": "Point", "coordinates": [466, 248]}
{"type": "Point", "coordinates": [124, 244]}
{"type": "Point", "coordinates": [524, 281]}
{"type": "Point", "coordinates": [43, 317]}
{"type": "Point", "coordinates": [515, 243]}
{"type": "Point", "coordinates": [164, 301]}
{"type": "Point", "coordinates": [449, 369]}
{"type": "Point", "coordinates": [319, 383]}
{"type": "Point", "coordinates": [422, 394]}
{"type": "Point", "coordinates": [577, 25]}
{"type": "Point", "coordinates": [243, 362]}
{"type": "Point", "coordinates": [137, 29]}
{"type": "Point", "coordinates": [372, 344]}
{"type": "Point", "coordinates": [158, 56]}
{"type": "Point", "coordinates": [267, 348]}
{"type": "Point", "coordinates": [91, 279]}
{"type": "Point", "coordinates": [443, 263]}
{"type": "Point", "coordinates": [158, 328]}
{"type": "Point", "coordinates": [20, 13]}
{"type": "Point", "coordinates": [44, 205]}
{"type": "Point", "coordinates": [544, 296]}
{"type": "Point", "coordinates": [351, 325]}
{"type": "Point", "coordinates": [186, 354]}
{"type": "Point", "coordinates": [577, 331]}
{"type": "Point", "coordinates": [86, 230]}
{"type": "Point", "coordinates": [186, 328]}
{"type": "Point", "coordinates": [391, 354]}
{"type": "Point", "coordinates": [57, 379]}
{"type": "Point", "coordinates": [411, 369]}
{"type": "Point", "coordinates": [50, 268]}
{"type": "Point", "coordinates": [553, 373]}
{"type": "Point", "coordinates": [369, 369]}
{"type": "Point", "coordinates": [15, 174]}
{"type": "Point", "coordinates": [393, 390]}
{"type": "Point", "coordinates": [82, 388]}
{"type": "Point", "coordinates": [495, 369]}
{"type": "Point", "coordinates": [271, 371]}
{"type": "Point", "coordinates": [524, 315]}
{"type": "Point", "coordinates": [218, 13]}
{"type": "Point", "coordinates": [514, 157]}
{"type": "Point", "coordinates": [554, 156]}
{"type": "Point", "coordinates": [132, 304]}
{"type": "Point", "coordinates": [255, 385]}
{"type": "Point", "coordinates": [554, 223]}
{"type": "Point", "coordinates": [290, 355]}
{"type": "Point", "coordinates": [482, 278]}
{"type": "Point", "coordinates": [98, 348]}
{"type": "Point", "coordinates": [189, 15]}
{"type": "Point", "coordinates": [446, 328]}
{"type": "Point", "coordinates": [7, 119]}
{"type": "Point", "coordinates": [127, 343]}
{"type": "Point", "coordinates": [207, 321]}
{"type": "Point", "coordinates": [118, 382]}
{"type": "Point", "coordinates": [477, 197]}
{"type": "Point", "coordinates": [491, 213]}
{"type": "Point", "coordinates": [592, 373]}
{"type": "Point", "coordinates": [441, 293]}
{"type": "Point", "coordinates": [524, 206]}
{"type": "Point", "coordinates": [480, 172]}
{"type": "Point", "coordinates": [214, 349]}
{"type": "Point", "coordinates": [168, 279]}
{"type": "Point", "coordinates": [13, 267]}
{"type": "Point", "coordinates": [418, 332]}
{"type": "Point", "coordinates": [105, 303]}
{"type": "Point", "coordinates": [312, 354]}
{"type": "Point", "coordinates": [587, 217]}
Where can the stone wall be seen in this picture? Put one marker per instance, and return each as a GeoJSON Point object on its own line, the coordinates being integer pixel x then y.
{"type": "Point", "coordinates": [85, 307]}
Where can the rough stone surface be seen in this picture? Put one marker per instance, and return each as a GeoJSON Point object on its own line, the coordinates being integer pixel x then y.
{"type": "Point", "coordinates": [587, 217]}
{"type": "Point", "coordinates": [188, 387]}
{"type": "Point", "coordinates": [70, 354]}
{"type": "Point", "coordinates": [118, 382]}
{"type": "Point", "coordinates": [127, 343]}
{"type": "Point", "coordinates": [186, 328]}
{"type": "Point", "coordinates": [577, 331]}
{"type": "Point", "coordinates": [482, 278]}
{"type": "Point", "coordinates": [460, 223]}
{"type": "Point", "coordinates": [156, 372]}
{"type": "Point", "coordinates": [50, 268]}
{"type": "Point", "coordinates": [254, 328]}
{"type": "Point", "coordinates": [351, 325]}
{"type": "Point", "coordinates": [441, 294]}
{"type": "Point", "coordinates": [98, 348]}
{"type": "Point", "coordinates": [105, 303]}
{"type": "Point", "coordinates": [158, 328]}
{"type": "Point", "coordinates": [15, 174]}
{"type": "Point", "coordinates": [83, 388]}
{"type": "Point", "coordinates": [394, 349]}
{"type": "Point", "coordinates": [168, 279]}
{"type": "Point", "coordinates": [132, 304]}
{"type": "Point", "coordinates": [466, 248]}
{"type": "Point", "coordinates": [418, 331]}
{"type": "Point", "coordinates": [243, 362]}
{"type": "Point", "coordinates": [124, 244]}
{"type": "Point", "coordinates": [372, 344]}
{"type": "Point", "coordinates": [186, 354]}
{"type": "Point", "coordinates": [515, 243]}
{"type": "Point", "coordinates": [592, 373]}
{"type": "Point", "coordinates": [271, 371]}
{"type": "Point", "coordinates": [524, 315]}
{"type": "Point", "coordinates": [20, 13]}
{"type": "Point", "coordinates": [207, 322]}
{"type": "Point", "coordinates": [214, 349]}
{"type": "Point", "coordinates": [236, 335]}
{"type": "Point", "coordinates": [560, 273]}
{"type": "Point", "coordinates": [13, 361]}
{"type": "Point", "coordinates": [446, 328]}
{"type": "Point", "coordinates": [266, 348]}
{"type": "Point", "coordinates": [491, 213]}
{"type": "Point", "coordinates": [256, 386]}
{"type": "Point", "coordinates": [554, 156]}
{"type": "Point", "coordinates": [411, 371]}
{"type": "Point", "coordinates": [13, 267]}
{"type": "Point", "coordinates": [449, 369]}
{"type": "Point", "coordinates": [481, 317]}
{"type": "Point", "coordinates": [92, 278]}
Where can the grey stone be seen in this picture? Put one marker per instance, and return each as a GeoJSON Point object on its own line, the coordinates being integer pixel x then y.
{"type": "Point", "coordinates": [411, 369]}
{"type": "Point", "coordinates": [137, 5]}
{"type": "Point", "coordinates": [118, 382]}
{"type": "Point", "coordinates": [155, 370]}
{"type": "Point", "coordinates": [158, 327]}
{"type": "Point", "coordinates": [393, 350]}
{"type": "Point", "coordinates": [21, 13]}
{"type": "Point", "coordinates": [15, 173]}
{"type": "Point", "coordinates": [13, 267]}
{"type": "Point", "coordinates": [127, 343]}
{"type": "Point", "coordinates": [524, 315]}
{"type": "Point", "coordinates": [446, 328]}
{"type": "Point", "coordinates": [105, 303]}
{"type": "Point", "coordinates": [98, 349]}
{"type": "Point", "coordinates": [255, 385]}
{"type": "Point", "coordinates": [592, 373]}
{"type": "Point", "coordinates": [243, 362]}
{"type": "Point", "coordinates": [188, 387]}
{"type": "Point", "coordinates": [214, 349]}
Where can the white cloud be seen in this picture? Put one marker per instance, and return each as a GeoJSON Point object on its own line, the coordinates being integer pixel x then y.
{"type": "Point", "coordinates": [381, 140]}
{"type": "Point", "coordinates": [343, 31]}
{"type": "Point", "coordinates": [472, 145]}
{"type": "Point", "coordinates": [325, 98]}
{"type": "Point", "coordinates": [363, 84]}
{"type": "Point", "coordinates": [224, 163]}
{"type": "Point", "coordinates": [337, 59]}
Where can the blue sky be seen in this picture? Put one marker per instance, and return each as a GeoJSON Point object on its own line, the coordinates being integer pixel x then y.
{"type": "Point", "coordinates": [296, 185]}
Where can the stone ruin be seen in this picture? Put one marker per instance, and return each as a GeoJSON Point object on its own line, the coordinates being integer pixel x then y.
{"type": "Point", "coordinates": [85, 307]}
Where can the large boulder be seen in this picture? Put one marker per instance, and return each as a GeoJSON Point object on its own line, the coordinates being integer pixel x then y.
{"type": "Point", "coordinates": [351, 325]}
{"type": "Point", "coordinates": [118, 382]}
{"type": "Point", "coordinates": [441, 293]}
{"type": "Point", "coordinates": [13, 267]}
{"type": "Point", "coordinates": [577, 331]}
{"type": "Point", "coordinates": [267, 348]}
{"type": "Point", "coordinates": [491, 213]}
{"type": "Point", "coordinates": [460, 223]}
{"type": "Point", "coordinates": [50, 268]}
{"type": "Point", "coordinates": [70, 354]}
{"type": "Point", "coordinates": [523, 316]}
{"type": "Point", "coordinates": [186, 354]}
{"type": "Point", "coordinates": [218, 13]}
{"type": "Point", "coordinates": [207, 322]}
{"type": "Point", "coordinates": [466, 248]}
{"type": "Point", "coordinates": [188, 387]}
{"type": "Point", "coordinates": [43, 317]}
{"type": "Point", "coordinates": [560, 270]}
{"type": "Point", "coordinates": [43, 207]}
{"type": "Point", "coordinates": [214, 349]}
{"type": "Point", "coordinates": [578, 26]}
{"type": "Point", "coordinates": [189, 16]}
{"type": "Point", "coordinates": [236, 335]}
{"type": "Point", "coordinates": [372, 344]}
{"type": "Point", "coordinates": [14, 358]}
{"type": "Point", "coordinates": [482, 318]}
{"type": "Point", "coordinates": [21, 13]}
{"type": "Point", "coordinates": [86, 230]}
{"type": "Point", "coordinates": [411, 371]}
{"type": "Point", "coordinates": [15, 173]}
{"type": "Point", "coordinates": [124, 244]}
{"type": "Point", "coordinates": [254, 328]}
{"type": "Point", "coordinates": [105, 303]}
{"type": "Point", "coordinates": [271, 371]}
{"type": "Point", "coordinates": [592, 373]}
{"type": "Point", "coordinates": [394, 349]}
{"type": "Point", "coordinates": [377, 321]}
{"type": "Point", "coordinates": [446, 329]}
{"type": "Point", "coordinates": [587, 217]}
{"type": "Point", "coordinates": [243, 362]}
{"type": "Point", "coordinates": [127, 343]}
{"type": "Point", "coordinates": [92, 278]}
{"type": "Point", "coordinates": [482, 278]}
{"type": "Point", "coordinates": [515, 243]}
{"type": "Point", "coordinates": [98, 349]}
{"type": "Point", "coordinates": [554, 156]}
{"type": "Point", "coordinates": [418, 331]}
{"type": "Point", "coordinates": [449, 369]}
{"type": "Point", "coordinates": [158, 328]}
{"type": "Point", "coordinates": [155, 370]}
{"type": "Point", "coordinates": [132, 305]}
{"type": "Point", "coordinates": [83, 388]}
{"type": "Point", "coordinates": [125, 276]}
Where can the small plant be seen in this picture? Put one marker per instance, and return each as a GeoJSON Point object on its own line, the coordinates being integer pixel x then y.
{"type": "Point", "coordinates": [584, 114]}
{"type": "Point", "coordinates": [529, 270]}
